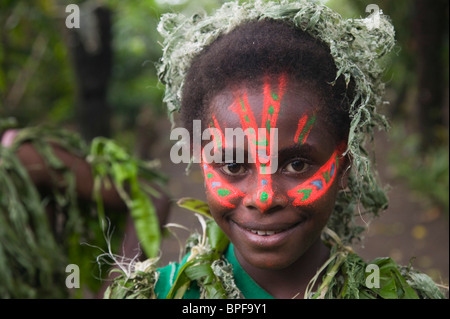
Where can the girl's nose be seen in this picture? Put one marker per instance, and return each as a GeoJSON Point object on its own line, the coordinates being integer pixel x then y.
{"type": "Point", "coordinates": [264, 198]}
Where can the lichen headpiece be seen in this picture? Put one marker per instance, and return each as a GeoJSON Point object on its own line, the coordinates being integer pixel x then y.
{"type": "Point", "coordinates": [356, 46]}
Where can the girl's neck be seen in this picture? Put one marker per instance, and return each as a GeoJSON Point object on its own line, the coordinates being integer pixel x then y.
{"type": "Point", "coordinates": [289, 282]}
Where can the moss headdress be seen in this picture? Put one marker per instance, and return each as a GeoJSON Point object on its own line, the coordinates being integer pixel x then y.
{"type": "Point", "coordinates": [356, 46]}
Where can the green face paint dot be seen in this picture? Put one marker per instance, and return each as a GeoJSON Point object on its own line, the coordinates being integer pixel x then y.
{"type": "Point", "coordinates": [264, 196]}
{"type": "Point", "coordinates": [271, 109]}
{"type": "Point", "coordinates": [247, 119]}
{"type": "Point", "coordinates": [326, 176]}
{"type": "Point", "coordinates": [209, 175]}
{"type": "Point", "coordinates": [274, 96]}
{"type": "Point", "coordinates": [263, 142]}
{"type": "Point", "coordinates": [222, 192]}
{"type": "Point", "coordinates": [306, 193]}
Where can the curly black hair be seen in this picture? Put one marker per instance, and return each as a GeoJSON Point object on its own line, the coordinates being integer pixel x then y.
{"type": "Point", "coordinates": [265, 48]}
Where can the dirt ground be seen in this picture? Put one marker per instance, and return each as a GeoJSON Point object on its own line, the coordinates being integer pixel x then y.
{"type": "Point", "coordinates": [406, 230]}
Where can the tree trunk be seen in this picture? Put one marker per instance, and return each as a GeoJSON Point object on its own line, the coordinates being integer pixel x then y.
{"type": "Point", "coordinates": [430, 28]}
{"type": "Point", "coordinates": [92, 57]}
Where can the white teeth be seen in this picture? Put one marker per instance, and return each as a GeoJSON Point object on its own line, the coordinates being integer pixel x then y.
{"type": "Point", "coordinates": [263, 232]}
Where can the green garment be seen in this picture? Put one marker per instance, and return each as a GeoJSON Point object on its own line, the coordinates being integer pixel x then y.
{"type": "Point", "coordinates": [249, 288]}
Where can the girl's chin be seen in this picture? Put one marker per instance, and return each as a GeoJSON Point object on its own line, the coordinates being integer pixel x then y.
{"type": "Point", "coordinates": [268, 252]}
{"type": "Point", "coordinates": [265, 260]}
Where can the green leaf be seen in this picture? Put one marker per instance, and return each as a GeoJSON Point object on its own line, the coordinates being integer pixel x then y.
{"type": "Point", "coordinates": [424, 285]}
{"type": "Point", "coordinates": [109, 159]}
{"type": "Point", "coordinates": [147, 225]}
{"type": "Point", "coordinates": [181, 284]}
{"type": "Point", "coordinates": [195, 205]}
{"type": "Point", "coordinates": [392, 284]}
{"type": "Point", "coordinates": [198, 271]}
{"type": "Point", "coordinates": [217, 238]}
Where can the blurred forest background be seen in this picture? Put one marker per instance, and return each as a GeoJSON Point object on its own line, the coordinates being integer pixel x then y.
{"type": "Point", "coordinates": [100, 80]}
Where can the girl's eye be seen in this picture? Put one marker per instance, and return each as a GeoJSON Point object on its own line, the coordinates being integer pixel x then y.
{"type": "Point", "coordinates": [296, 166]}
{"type": "Point", "coordinates": [233, 169]}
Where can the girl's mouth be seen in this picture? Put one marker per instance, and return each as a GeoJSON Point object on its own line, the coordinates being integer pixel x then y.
{"type": "Point", "coordinates": [263, 232]}
{"type": "Point", "coordinates": [266, 232]}
{"type": "Point", "coordinates": [269, 235]}
{"type": "Point", "coordinates": [267, 229]}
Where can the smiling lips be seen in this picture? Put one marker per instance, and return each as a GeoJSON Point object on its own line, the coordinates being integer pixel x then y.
{"type": "Point", "coordinates": [265, 230]}
{"type": "Point", "coordinates": [267, 235]}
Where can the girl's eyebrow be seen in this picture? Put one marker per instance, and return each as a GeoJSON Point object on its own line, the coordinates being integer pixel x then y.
{"type": "Point", "coordinates": [304, 149]}
{"type": "Point", "coordinates": [234, 151]}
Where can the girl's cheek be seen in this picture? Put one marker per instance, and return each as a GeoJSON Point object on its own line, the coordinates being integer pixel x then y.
{"type": "Point", "coordinates": [219, 190]}
{"type": "Point", "coordinates": [217, 209]}
{"type": "Point", "coordinates": [318, 186]}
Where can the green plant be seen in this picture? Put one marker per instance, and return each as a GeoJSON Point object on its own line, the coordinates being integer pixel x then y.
{"type": "Point", "coordinates": [33, 255]}
{"type": "Point", "coordinates": [426, 174]}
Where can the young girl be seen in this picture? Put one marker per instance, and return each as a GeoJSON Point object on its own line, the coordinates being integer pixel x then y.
{"type": "Point", "coordinates": [303, 84]}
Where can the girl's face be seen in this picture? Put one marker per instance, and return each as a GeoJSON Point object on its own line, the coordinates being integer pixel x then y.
{"type": "Point", "coordinates": [273, 219]}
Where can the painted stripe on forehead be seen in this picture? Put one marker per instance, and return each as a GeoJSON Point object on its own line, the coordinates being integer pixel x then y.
{"type": "Point", "coordinates": [304, 127]}
{"type": "Point", "coordinates": [271, 107]}
{"type": "Point", "coordinates": [223, 191]}
{"type": "Point", "coordinates": [264, 191]}
{"type": "Point", "coordinates": [218, 136]}
{"type": "Point", "coordinates": [272, 102]}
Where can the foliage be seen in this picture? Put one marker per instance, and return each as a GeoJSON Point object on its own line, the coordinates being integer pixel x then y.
{"type": "Point", "coordinates": [109, 160]}
{"type": "Point", "coordinates": [37, 85]}
{"type": "Point", "coordinates": [203, 253]}
{"type": "Point", "coordinates": [33, 254]}
{"type": "Point", "coordinates": [40, 272]}
{"type": "Point", "coordinates": [427, 175]}
{"type": "Point", "coordinates": [137, 285]}
{"type": "Point", "coordinates": [346, 277]}
{"type": "Point", "coordinates": [34, 42]}
{"type": "Point", "coordinates": [204, 265]}
{"type": "Point", "coordinates": [135, 44]}
{"type": "Point", "coordinates": [28, 256]}
{"type": "Point", "coordinates": [32, 46]}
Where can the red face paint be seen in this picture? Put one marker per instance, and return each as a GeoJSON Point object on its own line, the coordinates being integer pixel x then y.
{"type": "Point", "coordinates": [304, 127]}
{"type": "Point", "coordinates": [316, 186]}
{"type": "Point", "coordinates": [303, 194]}
{"type": "Point", "coordinates": [271, 108]}
{"type": "Point", "coordinates": [218, 136]}
{"type": "Point", "coordinates": [222, 191]}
